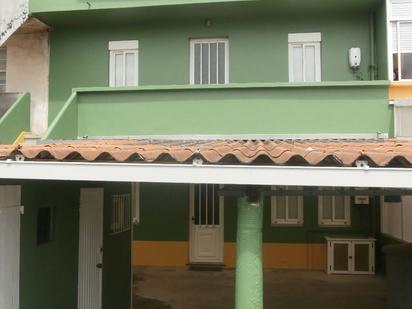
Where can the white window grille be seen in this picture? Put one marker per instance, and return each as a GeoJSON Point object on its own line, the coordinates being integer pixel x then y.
{"type": "Point", "coordinates": [120, 214]}
{"type": "Point", "coordinates": [3, 65]}
{"type": "Point", "coordinates": [304, 57]}
{"type": "Point", "coordinates": [124, 63]}
{"type": "Point", "coordinates": [287, 210]}
{"type": "Point", "coordinates": [334, 210]}
{"type": "Point", "coordinates": [209, 61]}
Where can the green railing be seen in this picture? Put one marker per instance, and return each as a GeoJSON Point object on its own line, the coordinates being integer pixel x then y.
{"type": "Point", "coordinates": [16, 118]}
{"type": "Point", "coordinates": [234, 109]}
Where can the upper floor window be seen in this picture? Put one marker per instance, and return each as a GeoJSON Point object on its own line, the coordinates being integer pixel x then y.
{"type": "Point", "coordinates": [304, 57]}
{"type": "Point", "coordinates": [209, 61]}
{"type": "Point", "coordinates": [3, 64]}
{"type": "Point", "coordinates": [124, 66]}
{"type": "Point", "coordinates": [402, 50]}
{"type": "Point", "coordinates": [334, 210]}
{"type": "Point", "coordinates": [287, 210]}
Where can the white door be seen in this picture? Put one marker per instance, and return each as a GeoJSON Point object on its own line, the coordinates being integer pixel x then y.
{"type": "Point", "coordinates": [90, 249]}
{"type": "Point", "coordinates": [206, 224]}
{"type": "Point", "coordinates": [10, 199]}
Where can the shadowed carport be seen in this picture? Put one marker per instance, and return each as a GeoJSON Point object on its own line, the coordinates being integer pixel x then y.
{"type": "Point", "coordinates": [162, 288]}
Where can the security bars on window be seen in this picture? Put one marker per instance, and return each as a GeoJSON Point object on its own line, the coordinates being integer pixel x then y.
{"type": "Point", "coordinates": [206, 210]}
{"type": "Point", "coordinates": [121, 214]}
{"type": "Point", "coordinates": [209, 61]}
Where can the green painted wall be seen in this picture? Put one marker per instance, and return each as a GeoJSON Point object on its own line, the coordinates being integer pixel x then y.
{"type": "Point", "coordinates": [165, 217]}
{"type": "Point", "coordinates": [49, 271]}
{"type": "Point", "coordinates": [164, 212]}
{"type": "Point", "coordinates": [258, 50]}
{"type": "Point", "coordinates": [381, 42]}
{"type": "Point", "coordinates": [48, 278]}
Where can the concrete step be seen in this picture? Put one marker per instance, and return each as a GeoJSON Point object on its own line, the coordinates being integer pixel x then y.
{"type": "Point", "coordinates": [31, 139]}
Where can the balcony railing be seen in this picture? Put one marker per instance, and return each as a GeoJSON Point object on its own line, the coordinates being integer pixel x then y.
{"type": "Point", "coordinates": [346, 108]}
{"type": "Point", "coordinates": [14, 116]}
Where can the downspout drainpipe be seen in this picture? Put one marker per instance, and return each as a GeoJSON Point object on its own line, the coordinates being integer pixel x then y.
{"type": "Point", "coordinates": [249, 265]}
{"type": "Point", "coordinates": [372, 67]}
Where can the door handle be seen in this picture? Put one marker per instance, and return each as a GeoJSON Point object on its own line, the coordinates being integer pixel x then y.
{"type": "Point", "coordinates": [193, 218]}
{"type": "Point", "coordinates": [99, 265]}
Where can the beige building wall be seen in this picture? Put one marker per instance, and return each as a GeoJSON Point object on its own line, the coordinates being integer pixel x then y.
{"type": "Point", "coordinates": [28, 71]}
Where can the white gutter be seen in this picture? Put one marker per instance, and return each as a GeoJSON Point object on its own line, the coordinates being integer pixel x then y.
{"type": "Point", "coordinates": [209, 174]}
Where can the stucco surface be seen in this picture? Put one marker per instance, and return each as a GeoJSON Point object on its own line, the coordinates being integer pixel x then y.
{"type": "Point", "coordinates": [12, 15]}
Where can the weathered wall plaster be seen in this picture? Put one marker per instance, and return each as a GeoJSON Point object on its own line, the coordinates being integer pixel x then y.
{"type": "Point", "coordinates": [28, 71]}
{"type": "Point", "coordinates": [12, 15]}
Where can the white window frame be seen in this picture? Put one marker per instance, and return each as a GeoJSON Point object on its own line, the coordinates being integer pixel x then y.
{"type": "Point", "coordinates": [280, 221]}
{"type": "Point", "coordinates": [303, 40]}
{"type": "Point", "coordinates": [4, 71]}
{"type": "Point", "coordinates": [335, 222]}
{"type": "Point", "coordinates": [123, 47]}
{"type": "Point", "coordinates": [135, 202]}
{"type": "Point", "coordinates": [192, 56]}
{"type": "Point", "coordinates": [398, 23]}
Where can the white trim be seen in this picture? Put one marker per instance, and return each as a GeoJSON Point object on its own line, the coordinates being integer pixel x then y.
{"type": "Point", "coordinates": [123, 45]}
{"type": "Point", "coordinates": [287, 221]}
{"type": "Point", "coordinates": [192, 56]}
{"type": "Point", "coordinates": [206, 137]}
{"type": "Point", "coordinates": [310, 37]}
{"type": "Point", "coordinates": [222, 174]}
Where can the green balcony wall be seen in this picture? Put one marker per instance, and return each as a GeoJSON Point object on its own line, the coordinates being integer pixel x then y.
{"type": "Point", "coordinates": [325, 108]}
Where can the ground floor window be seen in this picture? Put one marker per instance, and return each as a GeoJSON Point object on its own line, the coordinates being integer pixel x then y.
{"type": "Point", "coordinates": [287, 210]}
{"type": "Point", "coordinates": [3, 64]}
{"type": "Point", "coordinates": [334, 210]}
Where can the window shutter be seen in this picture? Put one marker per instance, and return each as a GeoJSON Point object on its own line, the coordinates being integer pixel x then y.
{"type": "Point", "coordinates": [394, 37]}
{"type": "Point", "coordinates": [405, 37]}
{"type": "Point", "coordinates": [401, 9]}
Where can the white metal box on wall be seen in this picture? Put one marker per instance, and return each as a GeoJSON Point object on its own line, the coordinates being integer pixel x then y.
{"type": "Point", "coordinates": [350, 255]}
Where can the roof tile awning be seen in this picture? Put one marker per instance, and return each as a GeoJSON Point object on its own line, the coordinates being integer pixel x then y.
{"type": "Point", "coordinates": [379, 153]}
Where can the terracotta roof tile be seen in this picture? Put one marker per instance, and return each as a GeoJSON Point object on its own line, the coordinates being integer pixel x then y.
{"type": "Point", "coordinates": [328, 152]}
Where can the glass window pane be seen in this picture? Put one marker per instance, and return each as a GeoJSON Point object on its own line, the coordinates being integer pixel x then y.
{"type": "Point", "coordinates": [197, 63]}
{"type": "Point", "coordinates": [406, 65]}
{"type": "Point", "coordinates": [217, 205]}
{"type": "Point", "coordinates": [2, 77]}
{"type": "Point", "coordinates": [222, 63]}
{"type": "Point", "coordinates": [281, 207]}
{"type": "Point", "coordinates": [297, 63]}
{"type": "Point", "coordinates": [203, 206]}
{"type": "Point", "coordinates": [395, 67]}
{"type": "Point", "coordinates": [2, 88]}
{"type": "Point", "coordinates": [339, 207]}
{"type": "Point", "coordinates": [119, 70]}
{"type": "Point", "coordinates": [327, 207]}
{"type": "Point", "coordinates": [213, 63]}
{"type": "Point", "coordinates": [293, 207]}
{"type": "Point", "coordinates": [205, 63]}
{"type": "Point", "coordinates": [310, 63]}
{"type": "Point", "coordinates": [130, 69]}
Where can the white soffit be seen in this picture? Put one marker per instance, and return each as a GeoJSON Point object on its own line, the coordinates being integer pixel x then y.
{"type": "Point", "coordinates": [209, 174]}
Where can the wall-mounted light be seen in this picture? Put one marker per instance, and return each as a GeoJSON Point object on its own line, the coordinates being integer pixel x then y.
{"type": "Point", "coordinates": [208, 23]}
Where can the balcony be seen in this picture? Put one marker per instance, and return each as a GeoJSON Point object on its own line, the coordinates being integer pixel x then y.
{"type": "Point", "coordinates": [14, 116]}
{"type": "Point", "coordinates": [267, 109]}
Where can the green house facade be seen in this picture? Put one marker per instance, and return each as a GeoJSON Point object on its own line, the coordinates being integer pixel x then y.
{"type": "Point", "coordinates": [146, 134]}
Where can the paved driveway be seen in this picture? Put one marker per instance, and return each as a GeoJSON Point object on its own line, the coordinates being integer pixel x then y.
{"type": "Point", "coordinates": [162, 288]}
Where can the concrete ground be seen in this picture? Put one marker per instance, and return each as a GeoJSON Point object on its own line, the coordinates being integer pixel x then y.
{"type": "Point", "coordinates": [173, 288]}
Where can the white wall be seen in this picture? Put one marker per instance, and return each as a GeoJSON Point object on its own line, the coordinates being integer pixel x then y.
{"type": "Point", "coordinates": [28, 71]}
{"type": "Point", "coordinates": [396, 219]}
{"type": "Point", "coordinates": [13, 13]}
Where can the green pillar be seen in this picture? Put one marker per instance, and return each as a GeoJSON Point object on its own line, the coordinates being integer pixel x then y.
{"type": "Point", "coordinates": [249, 265]}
